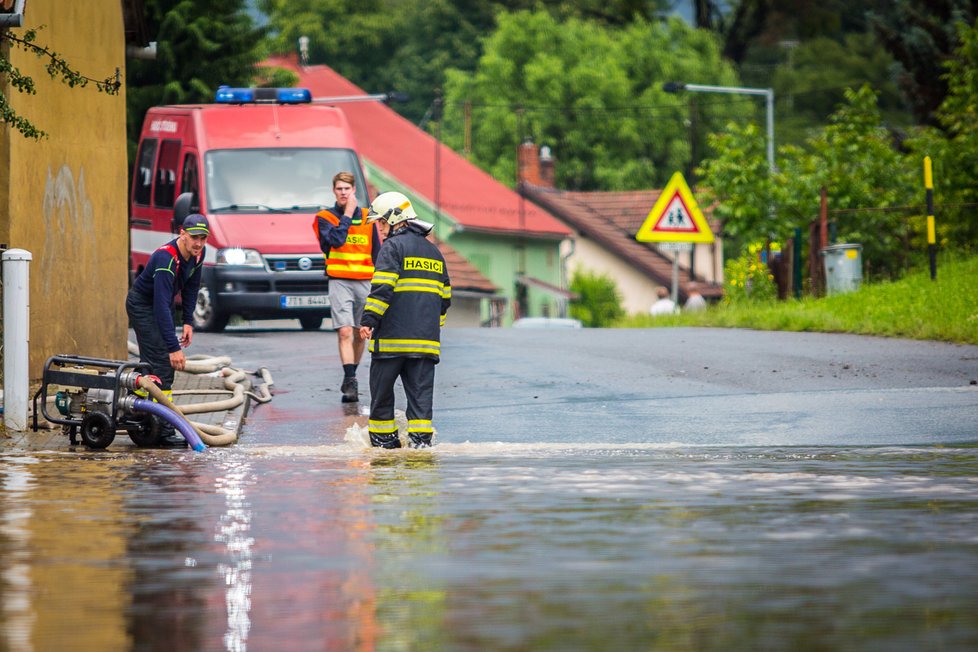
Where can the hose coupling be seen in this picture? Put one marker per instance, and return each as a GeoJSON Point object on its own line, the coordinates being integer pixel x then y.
{"type": "Point", "coordinates": [130, 379]}
{"type": "Point", "coordinates": [128, 403]}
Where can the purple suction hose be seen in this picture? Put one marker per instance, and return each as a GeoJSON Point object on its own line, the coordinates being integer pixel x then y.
{"type": "Point", "coordinates": [175, 419]}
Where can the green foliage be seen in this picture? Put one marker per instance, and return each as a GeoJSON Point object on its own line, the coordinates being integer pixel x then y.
{"type": "Point", "coordinates": [853, 157]}
{"type": "Point", "coordinates": [737, 179]}
{"type": "Point", "coordinates": [200, 46]}
{"type": "Point", "coordinates": [747, 280]}
{"type": "Point", "coordinates": [385, 45]}
{"type": "Point", "coordinates": [587, 91]}
{"type": "Point", "coordinates": [407, 45]}
{"type": "Point", "coordinates": [921, 37]}
{"type": "Point", "coordinates": [57, 67]}
{"type": "Point", "coordinates": [812, 83]}
{"type": "Point", "coordinates": [954, 151]}
{"type": "Point", "coordinates": [598, 302]}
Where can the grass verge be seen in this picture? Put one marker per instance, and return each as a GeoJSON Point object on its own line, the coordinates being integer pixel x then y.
{"type": "Point", "coordinates": [915, 307]}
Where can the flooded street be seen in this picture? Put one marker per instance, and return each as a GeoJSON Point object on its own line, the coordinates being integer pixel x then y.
{"type": "Point", "coordinates": [712, 509]}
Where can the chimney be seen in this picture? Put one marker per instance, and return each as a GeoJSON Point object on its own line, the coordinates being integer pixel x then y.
{"type": "Point", "coordinates": [546, 167]}
{"type": "Point", "coordinates": [529, 164]}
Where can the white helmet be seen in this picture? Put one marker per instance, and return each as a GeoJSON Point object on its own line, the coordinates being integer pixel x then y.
{"type": "Point", "coordinates": [393, 207]}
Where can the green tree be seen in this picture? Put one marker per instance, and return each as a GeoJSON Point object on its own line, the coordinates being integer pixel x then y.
{"type": "Point", "coordinates": [922, 37]}
{"type": "Point", "coordinates": [738, 181]}
{"type": "Point", "coordinates": [854, 158]}
{"type": "Point", "coordinates": [407, 45]}
{"type": "Point", "coordinates": [598, 302]}
{"type": "Point", "coordinates": [57, 67]}
{"type": "Point", "coordinates": [200, 46]}
{"type": "Point", "coordinates": [592, 93]}
{"type": "Point", "coordinates": [813, 83]}
{"type": "Point", "coordinates": [954, 148]}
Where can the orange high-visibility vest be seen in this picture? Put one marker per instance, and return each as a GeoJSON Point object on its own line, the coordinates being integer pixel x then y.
{"type": "Point", "coordinates": [354, 259]}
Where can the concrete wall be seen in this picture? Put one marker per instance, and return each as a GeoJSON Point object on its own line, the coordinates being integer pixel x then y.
{"type": "Point", "coordinates": [64, 198]}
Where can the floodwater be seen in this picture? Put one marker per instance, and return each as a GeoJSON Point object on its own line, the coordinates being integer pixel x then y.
{"type": "Point", "coordinates": [491, 547]}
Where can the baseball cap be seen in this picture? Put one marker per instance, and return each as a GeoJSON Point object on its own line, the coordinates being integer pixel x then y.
{"type": "Point", "coordinates": [196, 224]}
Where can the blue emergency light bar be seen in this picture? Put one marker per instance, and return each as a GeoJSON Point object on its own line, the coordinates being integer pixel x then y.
{"type": "Point", "coordinates": [228, 95]}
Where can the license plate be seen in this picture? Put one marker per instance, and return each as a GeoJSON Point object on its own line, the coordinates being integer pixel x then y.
{"type": "Point", "coordinates": [305, 301]}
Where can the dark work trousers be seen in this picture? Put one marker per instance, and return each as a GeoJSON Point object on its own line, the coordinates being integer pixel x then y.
{"type": "Point", "coordinates": [418, 377]}
{"type": "Point", "coordinates": [152, 348]}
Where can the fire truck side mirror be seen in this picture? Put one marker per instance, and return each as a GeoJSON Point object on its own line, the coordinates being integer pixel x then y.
{"type": "Point", "coordinates": [182, 207]}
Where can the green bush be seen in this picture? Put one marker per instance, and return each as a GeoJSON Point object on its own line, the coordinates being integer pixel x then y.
{"type": "Point", "coordinates": [598, 301]}
{"type": "Point", "coordinates": [747, 280]}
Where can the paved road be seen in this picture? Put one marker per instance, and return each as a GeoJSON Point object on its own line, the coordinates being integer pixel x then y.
{"type": "Point", "coordinates": [628, 386]}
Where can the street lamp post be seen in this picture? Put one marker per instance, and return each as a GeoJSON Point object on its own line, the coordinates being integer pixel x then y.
{"type": "Point", "coordinates": [768, 93]}
{"type": "Point", "coordinates": [675, 87]}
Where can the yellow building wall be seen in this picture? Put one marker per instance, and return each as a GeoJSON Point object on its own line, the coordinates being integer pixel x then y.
{"type": "Point", "coordinates": [63, 198]}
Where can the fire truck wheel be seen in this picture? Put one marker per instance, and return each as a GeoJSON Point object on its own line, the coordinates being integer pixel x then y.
{"type": "Point", "coordinates": [310, 323]}
{"type": "Point", "coordinates": [97, 430]}
{"type": "Point", "coordinates": [207, 315]}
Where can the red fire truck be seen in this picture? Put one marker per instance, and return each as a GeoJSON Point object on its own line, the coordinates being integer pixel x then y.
{"type": "Point", "coordinates": [259, 164]}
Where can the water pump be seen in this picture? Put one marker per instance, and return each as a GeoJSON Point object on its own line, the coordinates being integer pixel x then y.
{"type": "Point", "coordinates": [90, 395]}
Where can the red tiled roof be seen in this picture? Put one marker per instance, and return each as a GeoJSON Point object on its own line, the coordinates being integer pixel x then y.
{"type": "Point", "coordinates": [392, 143]}
{"type": "Point", "coordinates": [612, 219]}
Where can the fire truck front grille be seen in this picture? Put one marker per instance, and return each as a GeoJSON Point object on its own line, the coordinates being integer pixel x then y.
{"type": "Point", "coordinates": [313, 287]}
{"type": "Point", "coordinates": [295, 263]}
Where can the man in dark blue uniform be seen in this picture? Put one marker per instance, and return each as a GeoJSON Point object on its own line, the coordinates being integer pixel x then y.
{"type": "Point", "coordinates": [175, 268]}
{"type": "Point", "coordinates": [409, 296]}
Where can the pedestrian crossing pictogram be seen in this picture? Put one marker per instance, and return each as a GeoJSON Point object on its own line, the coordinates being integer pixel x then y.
{"type": "Point", "coordinates": [675, 217]}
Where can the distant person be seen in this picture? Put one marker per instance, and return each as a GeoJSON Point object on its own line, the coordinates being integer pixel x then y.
{"type": "Point", "coordinates": [350, 245]}
{"type": "Point", "coordinates": [695, 303]}
{"type": "Point", "coordinates": [409, 297]}
{"type": "Point", "coordinates": [664, 305]}
{"type": "Point", "coordinates": [175, 268]}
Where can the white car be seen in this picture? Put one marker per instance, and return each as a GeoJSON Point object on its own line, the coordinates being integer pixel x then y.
{"type": "Point", "coordinates": [546, 322]}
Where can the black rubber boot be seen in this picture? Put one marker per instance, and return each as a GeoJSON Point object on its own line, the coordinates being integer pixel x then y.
{"type": "Point", "coordinates": [384, 441]}
{"type": "Point", "coordinates": [350, 390]}
{"type": "Point", "coordinates": [419, 440]}
{"type": "Point", "coordinates": [170, 438]}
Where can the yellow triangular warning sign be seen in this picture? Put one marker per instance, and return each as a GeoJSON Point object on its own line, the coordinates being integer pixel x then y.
{"type": "Point", "coordinates": [676, 217]}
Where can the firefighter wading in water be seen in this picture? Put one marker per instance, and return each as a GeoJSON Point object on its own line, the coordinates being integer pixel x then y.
{"type": "Point", "coordinates": [409, 296]}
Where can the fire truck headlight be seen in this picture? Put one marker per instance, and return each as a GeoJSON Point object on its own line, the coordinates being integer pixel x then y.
{"type": "Point", "coordinates": [236, 256]}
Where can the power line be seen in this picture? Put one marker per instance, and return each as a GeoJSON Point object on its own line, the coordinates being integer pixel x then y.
{"type": "Point", "coordinates": [604, 109]}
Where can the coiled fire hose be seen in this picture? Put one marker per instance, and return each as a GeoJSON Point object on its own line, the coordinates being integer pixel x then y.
{"type": "Point", "coordinates": [210, 434]}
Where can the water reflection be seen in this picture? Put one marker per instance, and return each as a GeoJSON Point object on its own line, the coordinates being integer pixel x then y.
{"type": "Point", "coordinates": [18, 617]}
{"type": "Point", "coordinates": [406, 487]}
{"type": "Point", "coordinates": [63, 541]}
{"type": "Point", "coordinates": [234, 532]}
{"type": "Point", "coordinates": [476, 547]}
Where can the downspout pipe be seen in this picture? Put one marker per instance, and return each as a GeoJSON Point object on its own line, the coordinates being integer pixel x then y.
{"type": "Point", "coordinates": [175, 419]}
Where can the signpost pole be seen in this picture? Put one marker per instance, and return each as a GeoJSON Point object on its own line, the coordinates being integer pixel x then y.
{"type": "Point", "coordinates": [675, 277]}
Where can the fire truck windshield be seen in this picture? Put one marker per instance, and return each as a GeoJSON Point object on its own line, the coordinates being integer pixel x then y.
{"type": "Point", "coordinates": [276, 179]}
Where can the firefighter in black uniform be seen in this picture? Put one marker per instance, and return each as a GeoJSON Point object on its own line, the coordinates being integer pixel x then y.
{"type": "Point", "coordinates": [409, 296]}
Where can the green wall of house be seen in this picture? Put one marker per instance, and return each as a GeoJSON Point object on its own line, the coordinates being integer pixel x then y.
{"type": "Point", "coordinates": [500, 258]}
